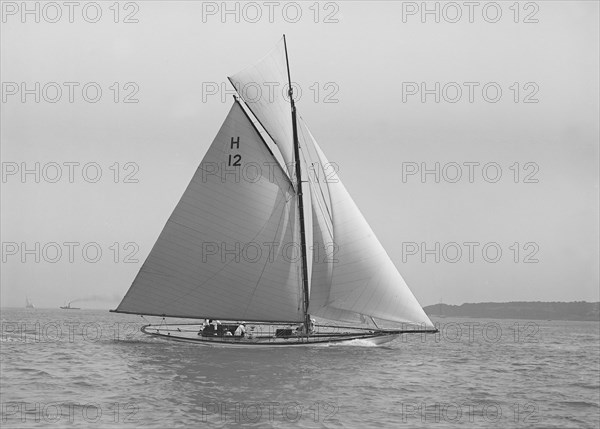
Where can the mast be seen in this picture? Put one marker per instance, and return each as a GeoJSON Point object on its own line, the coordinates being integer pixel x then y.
{"type": "Point", "coordinates": [300, 196]}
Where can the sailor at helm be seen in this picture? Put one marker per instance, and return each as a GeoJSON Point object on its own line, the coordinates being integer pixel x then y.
{"type": "Point", "coordinates": [241, 330]}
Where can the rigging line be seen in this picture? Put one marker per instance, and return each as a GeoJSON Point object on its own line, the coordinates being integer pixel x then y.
{"type": "Point", "coordinates": [312, 185]}
{"type": "Point", "coordinates": [327, 216]}
{"type": "Point", "coordinates": [181, 297]}
{"type": "Point", "coordinates": [299, 279]}
{"type": "Point", "coordinates": [267, 261]}
{"type": "Point", "coordinates": [146, 320]}
{"type": "Point", "coordinates": [373, 320]}
{"type": "Point", "coordinates": [320, 163]}
{"type": "Point", "coordinates": [308, 154]}
{"type": "Point", "coordinates": [243, 103]}
{"type": "Point", "coordinates": [327, 224]}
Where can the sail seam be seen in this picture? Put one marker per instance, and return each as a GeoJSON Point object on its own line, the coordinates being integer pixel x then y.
{"type": "Point", "coordinates": [178, 299]}
{"type": "Point", "coordinates": [320, 204]}
{"type": "Point", "coordinates": [320, 162]}
{"type": "Point", "coordinates": [267, 261]}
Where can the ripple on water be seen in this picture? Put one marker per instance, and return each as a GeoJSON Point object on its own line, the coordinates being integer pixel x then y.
{"type": "Point", "coordinates": [157, 381]}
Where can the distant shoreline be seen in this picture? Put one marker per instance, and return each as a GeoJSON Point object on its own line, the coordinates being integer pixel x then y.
{"type": "Point", "coordinates": [527, 310]}
{"type": "Point", "coordinates": [578, 311]}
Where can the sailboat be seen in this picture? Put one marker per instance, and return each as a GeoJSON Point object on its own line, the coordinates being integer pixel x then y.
{"type": "Point", "coordinates": [68, 307]}
{"type": "Point", "coordinates": [28, 304]}
{"type": "Point", "coordinates": [265, 239]}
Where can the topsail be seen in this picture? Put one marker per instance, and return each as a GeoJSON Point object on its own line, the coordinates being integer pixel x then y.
{"type": "Point", "coordinates": [263, 86]}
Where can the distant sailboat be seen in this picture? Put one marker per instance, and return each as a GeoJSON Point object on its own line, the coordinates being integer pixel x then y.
{"type": "Point", "coordinates": [68, 307]}
{"type": "Point", "coordinates": [302, 247]}
{"type": "Point", "coordinates": [28, 304]}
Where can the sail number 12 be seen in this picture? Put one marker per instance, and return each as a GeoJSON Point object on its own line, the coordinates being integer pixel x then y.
{"type": "Point", "coordinates": [235, 160]}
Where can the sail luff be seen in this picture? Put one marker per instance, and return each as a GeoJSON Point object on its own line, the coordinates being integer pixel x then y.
{"type": "Point", "coordinates": [241, 100]}
{"type": "Point", "coordinates": [243, 105]}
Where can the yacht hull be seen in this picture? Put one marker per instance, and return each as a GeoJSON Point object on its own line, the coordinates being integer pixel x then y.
{"type": "Point", "coordinates": [266, 335]}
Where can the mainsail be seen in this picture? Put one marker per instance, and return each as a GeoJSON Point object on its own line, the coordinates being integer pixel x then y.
{"type": "Point", "coordinates": [198, 267]}
{"type": "Point", "coordinates": [227, 250]}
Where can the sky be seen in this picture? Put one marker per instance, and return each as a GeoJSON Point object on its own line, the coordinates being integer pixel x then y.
{"type": "Point", "coordinates": [467, 137]}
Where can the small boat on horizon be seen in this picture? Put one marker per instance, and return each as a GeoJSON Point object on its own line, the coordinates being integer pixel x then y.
{"type": "Point", "coordinates": [68, 307]}
{"type": "Point", "coordinates": [28, 304]}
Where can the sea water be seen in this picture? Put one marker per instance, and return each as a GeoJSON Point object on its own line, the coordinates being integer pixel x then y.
{"type": "Point", "coordinates": [92, 368]}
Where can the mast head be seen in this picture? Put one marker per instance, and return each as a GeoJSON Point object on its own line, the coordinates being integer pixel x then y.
{"type": "Point", "coordinates": [287, 64]}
